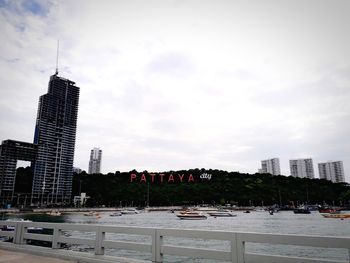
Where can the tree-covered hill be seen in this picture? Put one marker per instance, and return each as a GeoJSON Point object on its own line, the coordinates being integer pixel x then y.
{"type": "Point", "coordinates": [178, 188]}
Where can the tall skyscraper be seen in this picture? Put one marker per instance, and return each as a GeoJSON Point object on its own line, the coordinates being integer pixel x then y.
{"type": "Point", "coordinates": [95, 161]}
{"type": "Point", "coordinates": [333, 171]}
{"type": "Point", "coordinates": [55, 132]}
{"type": "Point", "coordinates": [302, 168]}
{"type": "Point", "coordinates": [271, 166]}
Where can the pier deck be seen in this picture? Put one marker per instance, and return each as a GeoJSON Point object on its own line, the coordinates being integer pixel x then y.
{"type": "Point", "coordinates": [7, 256]}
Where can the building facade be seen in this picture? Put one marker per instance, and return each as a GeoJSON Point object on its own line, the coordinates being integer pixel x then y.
{"type": "Point", "coordinates": [271, 166]}
{"type": "Point", "coordinates": [10, 152]}
{"type": "Point", "coordinates": [95, 161]}
{"type": "Point", "coordinates": [333, 171]}
{"type": "Point", "coordinates": [55, 133]}
{"type": "Point", "coordinates": [302, 168]}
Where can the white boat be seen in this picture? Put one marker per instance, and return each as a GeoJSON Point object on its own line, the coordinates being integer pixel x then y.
{"type": "Point", "coordinates": [91, 213]}
{"type": "Point", "coordinates": [37, 230]}
{"type": "Point", "coordinates": [54, 213]}
{"type": "Point", "coordinates": [221, 214]}
{"type": "Point", "coordinates": [206, 209]}
{"type": "Point", "coordinates": [191, 215]}
{"type": "Point", "coordinates": [129, 211]}
{"type": "Point", "coordinates": [116, 214]}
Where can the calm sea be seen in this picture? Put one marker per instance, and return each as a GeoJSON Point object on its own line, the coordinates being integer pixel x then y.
{"type": "Point", "coordinates": [285, 222]}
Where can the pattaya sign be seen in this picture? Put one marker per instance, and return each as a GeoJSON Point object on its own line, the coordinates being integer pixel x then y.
{"type": "Point", "coordinates": [166, 178]}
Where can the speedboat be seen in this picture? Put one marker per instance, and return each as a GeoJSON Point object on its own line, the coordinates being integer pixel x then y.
{"type": "Point", "coordinates": [302, 210]}
{"type": "Point", "coordinates": [36, 230]}
{"type": "Point", "coordinates": [129, 211]}
{"type": "Point", "coordinates": [191, 215]}
{"type": "Point", "coordinates": [91, 213]}
{"type": "Point", "coordinates": [336, 215]}
{"type": "Point", "coordinates": [54, 213]}
{"type": "Point", "coordinates": [223, 213]}
{"type": "Point", "coordinates": [116, 214]}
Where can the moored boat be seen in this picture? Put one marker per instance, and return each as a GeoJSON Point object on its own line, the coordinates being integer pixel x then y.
{"type": "Point", "coordinates": [336, 215]}
{"type": "Point", "coordinates": [129, 211]}
{"type": "Point", "coordinates": [221, 214]}
{"type": "Point", "coordinates": [191, 215]}
{"type": "Point", "coordinates": [91, 213]}
{"type": "Point", "coordinates": [327, 209]}
{"type": "Point", "coordinates": [116, 214]}
{"type": "Point", "coordinates": [54, 213]}
{"type": "Point", "coordinates": [302, 210]}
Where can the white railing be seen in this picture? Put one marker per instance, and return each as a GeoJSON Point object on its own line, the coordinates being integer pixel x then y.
{"type": "Point", "coordinates": [157, 247]}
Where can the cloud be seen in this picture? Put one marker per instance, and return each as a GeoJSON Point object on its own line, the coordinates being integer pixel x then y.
{"type": "Point", "coordinates": [173, 64]}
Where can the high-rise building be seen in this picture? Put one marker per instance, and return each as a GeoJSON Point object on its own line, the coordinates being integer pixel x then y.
{"type": "Point", "coordinates": [333, 171]}
{"type": "Point", "coordinates": [302, 168]}
{"type": "Point", "coordinates": [10, 152]}
{"type": "Point", "coordinates": [271, 166]}
{"type": "Point", "coordinates": [55, 132]}
{"type": "Point", "coordinates": [95, 161]}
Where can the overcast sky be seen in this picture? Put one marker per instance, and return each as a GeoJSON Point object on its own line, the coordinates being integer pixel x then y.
{"type": "Point", "coordinates": [168, 85]}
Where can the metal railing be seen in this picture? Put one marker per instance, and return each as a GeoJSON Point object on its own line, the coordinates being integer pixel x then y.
{"type": "Point", "coordinates": [158, 248]}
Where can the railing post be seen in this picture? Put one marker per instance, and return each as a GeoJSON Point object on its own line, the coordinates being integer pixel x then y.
{"type": "Point", "coordinates": [56, 235]}
{"type": "Point", "coordinates": [154, 244]}
{"type": "Point", "coordinates": [240, 244]}
{"type": "Point", "coordinates": [157, 242]}
{"type": "Point", "coordinates": [20, 229]}
{"type": "Point", "coordinates": [234, 254]}
{"type": "Point", "coordinates": [100, 236]}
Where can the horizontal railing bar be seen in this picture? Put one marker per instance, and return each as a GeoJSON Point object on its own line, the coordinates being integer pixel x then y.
{"type": "Point", "coordinates": [76, 241]}
{"type": "Point", "coordinates": [7, 233]}
{"type": "Point", "coordinates": [7, 223]}
{"type": "Point", "coordinates": [98, 239]}
{"type": "Point", "coordinates": [196, 252]}
{"type": "Point", "coordinates": [297, 240]}
{"type": "Point", "coordinates": [263, 258]}
{"type": "Point", "coordinates": [126, 230]}
{"type": "Point", "coordinates": [84, 228]}
{"type": "Point", "coordinates": [37, 237]}
{"type": "Point", "coordinates": [40, 224]}
{"type": "Point", "coordinates": [127, 246]}
{"type": "Point", "coordinates": [216, 235]}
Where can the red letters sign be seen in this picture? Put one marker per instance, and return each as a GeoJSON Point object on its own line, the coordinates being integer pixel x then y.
{"type": "Point", "coordinates": [161, 178]}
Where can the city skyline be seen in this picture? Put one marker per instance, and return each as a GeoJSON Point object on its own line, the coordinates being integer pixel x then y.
{"type": "Point", "coordinates": [172, 85]}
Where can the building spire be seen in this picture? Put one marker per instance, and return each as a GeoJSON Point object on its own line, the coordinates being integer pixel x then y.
{"type": "Point", "coordinates": [58, 44]}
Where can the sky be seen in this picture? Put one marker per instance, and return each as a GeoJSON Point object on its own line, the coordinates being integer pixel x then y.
{"type": "Point", "coordinates": [179, 84]}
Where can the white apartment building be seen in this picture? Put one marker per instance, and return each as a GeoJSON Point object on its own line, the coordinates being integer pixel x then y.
{"type": "Point", "coordinates": [95, 161]}
{"type": "Point", "coordinates": [333, 171]}
{"type": "Point", "coordinates": [302, 168]}
{"type": "Point", "coordinates": [271, 166]}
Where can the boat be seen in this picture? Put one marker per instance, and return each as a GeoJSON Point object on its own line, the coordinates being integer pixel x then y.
{"type": "Point", "coordinates": [336, 215]}
{"type": "Point", "coordinates": [206, 209]}
{"type": "Point", "coordinates": [35, 230]}
{"type": "Point", "coordinates": [91, 213]}
{"type": "Point", "coordinates": [223, 213]}
{"type": "Point", "coordinates": [54, 213]}
{"type": "Point", "coordinates": [129, 211]}
{"type": "Point", "coordinates": [302, 210]}
{"type": "Point", "coordinates": [191, 215]}
{"type": "Point", "coordinates": [116, 214]}
{"type": "Point", "coordinates": [328, 209]}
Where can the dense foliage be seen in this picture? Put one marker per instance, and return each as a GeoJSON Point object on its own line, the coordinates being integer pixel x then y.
{"type": "Point", "coordinates": [223, 188]}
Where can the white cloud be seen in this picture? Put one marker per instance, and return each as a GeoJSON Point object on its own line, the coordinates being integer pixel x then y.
{"type": "Point", "coordinates": [171, 85]}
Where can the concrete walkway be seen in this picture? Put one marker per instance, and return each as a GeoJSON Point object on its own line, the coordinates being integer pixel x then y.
{"type": "Point", "coordinates": [7, 256]}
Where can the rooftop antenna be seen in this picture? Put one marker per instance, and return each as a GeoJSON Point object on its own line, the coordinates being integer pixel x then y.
{"type": "Point", "coordinates": [58, 44]}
